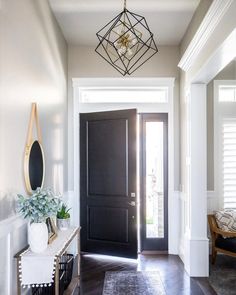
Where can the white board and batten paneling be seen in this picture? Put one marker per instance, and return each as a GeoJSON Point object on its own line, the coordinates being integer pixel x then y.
{"type": "Point", "coordinates": [12, 239]}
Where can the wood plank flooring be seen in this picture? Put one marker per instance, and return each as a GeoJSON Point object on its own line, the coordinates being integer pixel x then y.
{"type": "Point", "coordinates": [170, 267]}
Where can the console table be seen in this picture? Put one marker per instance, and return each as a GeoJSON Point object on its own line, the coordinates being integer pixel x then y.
{"type": "Point", "coordinates": [55, 250]}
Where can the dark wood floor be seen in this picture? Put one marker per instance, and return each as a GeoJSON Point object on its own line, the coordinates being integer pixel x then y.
{"type": "Point", "coordinates": [170, 267]}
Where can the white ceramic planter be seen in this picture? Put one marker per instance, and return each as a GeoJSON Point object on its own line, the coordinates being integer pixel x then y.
{"type": "Point", "coordinates": [63, 224]}
{"type": "Point", "coordinates": [38, 237]}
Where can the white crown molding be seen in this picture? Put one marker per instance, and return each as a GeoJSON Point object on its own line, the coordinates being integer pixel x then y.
{"type": "Point", "coordinates": [212, 18]}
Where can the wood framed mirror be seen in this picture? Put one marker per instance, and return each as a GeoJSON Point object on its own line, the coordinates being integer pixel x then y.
{"type": "Point", "coordinates": [34, 164]}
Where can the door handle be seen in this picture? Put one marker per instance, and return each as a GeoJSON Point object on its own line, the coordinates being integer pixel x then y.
{"type": "Point", "coordinates": [132, 203]}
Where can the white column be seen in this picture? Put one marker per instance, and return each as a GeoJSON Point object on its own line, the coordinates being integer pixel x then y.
{"type": "Point", "coordinates": [196, 242]}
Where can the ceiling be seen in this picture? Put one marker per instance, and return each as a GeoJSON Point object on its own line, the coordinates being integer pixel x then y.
{"type": "Point", "coordinates": [81, 19]}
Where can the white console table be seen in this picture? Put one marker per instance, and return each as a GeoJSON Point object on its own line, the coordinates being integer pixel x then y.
{"type": "Point", "coordinates": [56, 249]}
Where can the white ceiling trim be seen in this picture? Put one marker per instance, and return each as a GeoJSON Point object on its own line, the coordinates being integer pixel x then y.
{"type": "Point", "coordinates": [215, 13]}
{"type": "Point", "coordinates": [221, 57]}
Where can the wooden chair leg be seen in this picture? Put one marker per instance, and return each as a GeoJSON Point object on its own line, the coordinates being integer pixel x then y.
{"type": "Point", "coordinates": [214, 253]}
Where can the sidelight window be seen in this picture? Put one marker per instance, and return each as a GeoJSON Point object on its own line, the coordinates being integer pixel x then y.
{"type": "Point", "coordinates": [154, 180]}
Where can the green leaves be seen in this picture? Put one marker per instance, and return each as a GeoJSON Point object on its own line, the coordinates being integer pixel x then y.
{"type": "Point", "coordinates": [38, 207]}
{"type": "Point", "coordinates": [63, 213]}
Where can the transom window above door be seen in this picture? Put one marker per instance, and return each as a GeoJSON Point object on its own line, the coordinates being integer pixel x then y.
{"type": "Point", "coordinates": [124, 95]}
{"type": "Point", "coordinates": [227, 93]}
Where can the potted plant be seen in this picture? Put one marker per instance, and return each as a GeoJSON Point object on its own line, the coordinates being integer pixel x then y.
{"type": "Point", "coordinates": [63, 217]}
{"type": "Point", "coordinates": [37, 208]}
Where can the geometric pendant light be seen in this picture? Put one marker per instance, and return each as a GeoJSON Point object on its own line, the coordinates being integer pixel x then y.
{"type": "Point", "coordinates": [126, 42]}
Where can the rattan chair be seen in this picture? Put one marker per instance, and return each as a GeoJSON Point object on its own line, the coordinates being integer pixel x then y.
{"type": "Point", "coordinates": [222, 241]}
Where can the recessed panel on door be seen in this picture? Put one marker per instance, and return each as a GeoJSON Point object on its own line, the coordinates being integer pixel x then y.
{"type": "Point", "coordinates": [107, 157]}
{"type": "Point", "coordinates": [113, 226]}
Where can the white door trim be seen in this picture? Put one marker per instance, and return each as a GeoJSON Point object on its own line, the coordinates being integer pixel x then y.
{"type": "Point", "coordinates": [196, 244]}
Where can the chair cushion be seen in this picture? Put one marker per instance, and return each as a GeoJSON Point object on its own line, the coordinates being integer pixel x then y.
{"type": "Point", "coordinates": [226, 220]}
{"type": "Point", "coordinates": [228, 244]}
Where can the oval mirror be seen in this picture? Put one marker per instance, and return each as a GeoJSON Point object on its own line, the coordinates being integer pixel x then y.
{"type": "Point", "coordinates": [34, 167]}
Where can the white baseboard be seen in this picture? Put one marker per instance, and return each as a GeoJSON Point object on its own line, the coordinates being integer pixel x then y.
{"type": "Point", "coordinates": [194, 252]}
{"type": "Point", "coordinates": [197, 257]}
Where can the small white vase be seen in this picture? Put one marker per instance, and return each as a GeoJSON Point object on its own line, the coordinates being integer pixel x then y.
{"type": "Point", "coordinates": [38, 237]}
{"type": "Point", "coordinates": [63, 224]}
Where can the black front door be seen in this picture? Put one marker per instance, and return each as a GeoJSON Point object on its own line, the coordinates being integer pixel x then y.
{"type": "Point", "coordinates": [108, 183]}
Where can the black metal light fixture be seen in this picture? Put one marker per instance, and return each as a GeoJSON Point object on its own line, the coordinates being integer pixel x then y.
{"type": "Point", "coordinates": [126, 42]}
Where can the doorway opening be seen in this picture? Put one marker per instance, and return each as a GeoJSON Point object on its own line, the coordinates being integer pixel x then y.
{"type": "Point", "coordinates": [147, 100]}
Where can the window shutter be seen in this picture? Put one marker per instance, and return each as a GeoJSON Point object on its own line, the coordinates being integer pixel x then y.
{"type": "Point", "coordinates": [229, 163]}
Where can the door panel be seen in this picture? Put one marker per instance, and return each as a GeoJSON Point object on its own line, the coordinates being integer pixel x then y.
{"type": "Point", "coordinates": [116, 231]}
{"type": "Point", "coordinates": [107, 179]}
{"type": "Point", "coordinates": [104, 156]}
{"type": "Point", "coordinates": [154, 182]}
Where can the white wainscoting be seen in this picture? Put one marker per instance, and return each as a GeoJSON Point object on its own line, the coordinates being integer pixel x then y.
{"type": "Point", "coordinates": [13, 238]}
{"type": "Point", "coordinates": [212, 205]}
{"type": "Point", "coordinates": [72, 199]}
{"type": "Point", "coordinates": [179, 202]}
{"type": "Point", "coordinates": [182, 224]}
{"type": "Point", "coordinates": [174, 222]}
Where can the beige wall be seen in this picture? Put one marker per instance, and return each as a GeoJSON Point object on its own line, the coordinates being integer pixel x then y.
{"type": "Point", "coordinates": [33, 67]}
{"type": "Point", "coordinates": [84, 62]}
{"type": "Point", "coordinates": [228, 73]}
{"type": "Point", "coordinates": [195, 23]}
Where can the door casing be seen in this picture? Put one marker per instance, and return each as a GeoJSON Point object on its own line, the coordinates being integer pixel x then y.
{"type": "Point", "coordinates": [75, 108]}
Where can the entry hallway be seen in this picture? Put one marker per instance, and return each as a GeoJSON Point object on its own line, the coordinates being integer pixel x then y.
{"type": "Point", "coordinates": [170, 267]}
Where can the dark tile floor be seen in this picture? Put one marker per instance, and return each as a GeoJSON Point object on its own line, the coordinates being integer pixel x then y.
{"type": "Point", "coordinates": [170, 267]}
